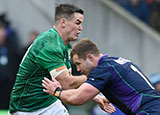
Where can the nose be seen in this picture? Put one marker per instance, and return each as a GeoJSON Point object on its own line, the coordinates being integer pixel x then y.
{"type": "Point", "coordinates": [78, 69]}
{"type": "Point", "coordinates": [80, 27]}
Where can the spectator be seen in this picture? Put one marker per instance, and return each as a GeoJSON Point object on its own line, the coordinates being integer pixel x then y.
{"type": "Point", "coordinates": [155, 80]}
{"type": "Point", "coordinates": [139, 8]}
{"type": "Point", "coordinates": [150, 4]}
{"type": "Point", "coordinates": [154, 5]}
{"type": "Point", "coordinates": [155, 14]}
{"type": "Point", "coordinates": [8, 67]}
{"type": "Point", "coordinates": [11, 35]}
{"type": "Point", "coordinates": [11, 39]}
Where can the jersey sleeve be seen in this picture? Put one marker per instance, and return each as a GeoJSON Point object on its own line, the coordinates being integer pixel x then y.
{"type": "Point", "coordinates": [50, 58]}
{"type": "Point", "coordinates": [99, 78]}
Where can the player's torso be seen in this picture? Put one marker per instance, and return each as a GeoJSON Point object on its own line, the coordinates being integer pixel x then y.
{"type": "Point", "coordinates": [125, 84]}
{"type": "Point", "coordinates": [28, 83]}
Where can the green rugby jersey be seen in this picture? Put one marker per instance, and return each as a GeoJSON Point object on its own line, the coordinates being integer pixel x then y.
{"type": "Point", "coordinates": [45, 54]}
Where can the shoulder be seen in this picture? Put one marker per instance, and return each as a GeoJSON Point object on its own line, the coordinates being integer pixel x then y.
{"type": "Point", "coordinates": [49, 38]}
{"type": "Point", "coordinates": [47, 43]}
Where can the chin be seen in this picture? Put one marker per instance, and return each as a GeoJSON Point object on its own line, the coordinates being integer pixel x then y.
{"type": "Point", "coordinates": [73, 39]}
{"type": "Point", "coordinates": [86, 74]}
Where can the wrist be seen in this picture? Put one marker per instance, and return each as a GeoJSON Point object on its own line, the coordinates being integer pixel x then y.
{"type": "Point", "coordinates": [96, 99]}
{"type": "Point", "coordinates": [57, 92]}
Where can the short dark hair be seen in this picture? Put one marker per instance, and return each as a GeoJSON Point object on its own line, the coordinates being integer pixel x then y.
{"type": "Point", "coordinates": [66, 11]}
{"type": "Point", "coordinates": [85, 47]}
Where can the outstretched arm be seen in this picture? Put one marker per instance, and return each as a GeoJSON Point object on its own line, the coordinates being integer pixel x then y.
{"type": "Point", "coordinates": [77, 96]}
{"type": "Point", "coordinates": [73, 96]}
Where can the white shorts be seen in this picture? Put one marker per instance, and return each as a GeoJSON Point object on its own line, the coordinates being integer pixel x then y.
{"type": "Point", "coordinates": [57, 108]}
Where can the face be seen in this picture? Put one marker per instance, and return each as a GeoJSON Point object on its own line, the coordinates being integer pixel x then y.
{"type": "Point", "coordinates": [2, 35]}
{"type": "Point", "coordinates": [74, 26]}
{"type": "Point", "coordinates": [134, 2]}
{"type": "Point", "coordinates": [83, 66]}
{"type": "Point", "coordinates": [158, 87]}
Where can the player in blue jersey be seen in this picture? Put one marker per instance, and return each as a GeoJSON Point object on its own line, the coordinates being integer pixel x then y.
{"type": "Point", "coordinates": [120, 80]}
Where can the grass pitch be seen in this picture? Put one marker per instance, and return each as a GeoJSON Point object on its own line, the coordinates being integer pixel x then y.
{"type": "Point", "coordinates": [3, 112]}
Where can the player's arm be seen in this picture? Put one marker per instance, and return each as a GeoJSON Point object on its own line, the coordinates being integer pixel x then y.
{"type": "Point", "coordinates": [67, 81]}
{"type": "Point", "coordinates": [72, 96]}
{"type": "Point", "coordinates": [77, 96]}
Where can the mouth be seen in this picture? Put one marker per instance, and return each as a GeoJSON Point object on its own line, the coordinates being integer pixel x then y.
{"type": "Point", "coordinates": [78, 33]}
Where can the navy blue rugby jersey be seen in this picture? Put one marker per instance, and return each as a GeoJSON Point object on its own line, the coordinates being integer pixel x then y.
{"type": "Point", "coordinates": [123, 83]}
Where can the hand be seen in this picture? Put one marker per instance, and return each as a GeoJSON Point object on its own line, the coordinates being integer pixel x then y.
{"type": "Point", "coordinates": [104, 104]}
{"type": "Point", "coordinates": [50, 86]}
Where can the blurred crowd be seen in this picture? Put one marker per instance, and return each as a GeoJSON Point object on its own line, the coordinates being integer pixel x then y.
{"type": "Point", "coordinates": [147, 11]}
{"type": "Point", "coordinates": [10, 57]}
{"type": "Point", "coordinates": [8, 60]}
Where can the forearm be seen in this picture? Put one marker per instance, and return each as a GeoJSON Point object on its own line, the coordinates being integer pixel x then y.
{"type": "Point", "coordinates": [72, 82]}
{"type": "Point", "coordinates": [71, 97]}
{"type": "Point", "coordinates": [66, 80]}
{"type": "Point", "coordinates": [76, 81]}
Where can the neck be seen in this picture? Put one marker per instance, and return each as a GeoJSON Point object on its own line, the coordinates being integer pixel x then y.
{"type": "Point", "coordinates": [97, 59]}
{"type": "Point", "coordinates": [62, 34]}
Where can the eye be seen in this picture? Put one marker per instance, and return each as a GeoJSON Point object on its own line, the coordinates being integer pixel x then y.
{"type": "Point", "coordinates": [77, 64]}
{"type": "Point", "coordinates": [78, 22]}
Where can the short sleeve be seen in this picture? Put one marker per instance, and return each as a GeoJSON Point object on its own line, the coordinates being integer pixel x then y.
{"type": "Point", "coordinates": [99, 78]}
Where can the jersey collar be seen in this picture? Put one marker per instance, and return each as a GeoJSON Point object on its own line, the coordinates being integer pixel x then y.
{"type": "Point", "coordinates": [101, 58]}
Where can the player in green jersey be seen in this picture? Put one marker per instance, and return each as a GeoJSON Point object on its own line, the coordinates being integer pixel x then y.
{"type": "Point", "coordinates": [49, 57]}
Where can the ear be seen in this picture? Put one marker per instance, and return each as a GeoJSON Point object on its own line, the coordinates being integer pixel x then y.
{"type": "Point", "coordinates": [90, 57]}
{"type": "Point", "coordinates": [62, 22]}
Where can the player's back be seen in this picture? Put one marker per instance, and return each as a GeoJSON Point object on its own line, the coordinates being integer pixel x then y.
{"type": "Point", "coordinates": [128, 85]}
{"type": "Point", "coordinates": [124, 84]}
